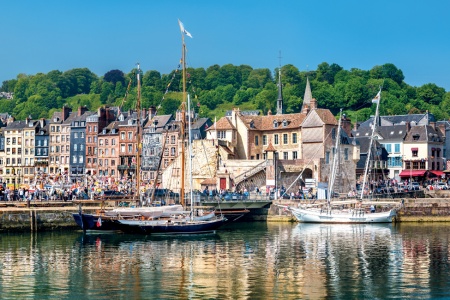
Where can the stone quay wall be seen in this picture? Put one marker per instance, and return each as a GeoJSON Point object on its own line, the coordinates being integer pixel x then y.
{"type": "Point", "coordinates": [60, 218]}
{"type": "Point", "coordinates": [38, 219]}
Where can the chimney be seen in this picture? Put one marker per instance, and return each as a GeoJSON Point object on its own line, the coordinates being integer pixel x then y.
{"type": "Point", "coordinates": [101, 112]}
{"type": "Point", "coordinates": [356, 126]}
{"type": "Point", "coordinates": [269, 112]}
{"type": "Point", "coordinates": [408, 127]}
{"type": "Point", "coordinates": [27, 120]}
{"type": "Point", "coordinates": [441, 127]}
{"type": "Point", "coordinates": [65, 112]}
{"type": "Point", "coordinates": [42, 122]}
{"type": "Point", "coordinates": [433, 124]}
{"type": "Point", "coordinates": [82, 110]}
{"type": "Point", "coordinates": [346, 125]}
{"type": "Point", "coordinates": [152, 111]}
{"type": "Point", "coordinates": [313, 103]}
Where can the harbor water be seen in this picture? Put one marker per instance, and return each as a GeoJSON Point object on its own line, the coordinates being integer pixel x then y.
{"type": "Point", "coordinates": [242, 261]}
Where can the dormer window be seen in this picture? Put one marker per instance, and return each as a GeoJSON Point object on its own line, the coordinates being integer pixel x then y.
{"type": "Point", "coordinates": [104, 131]}
{"type": "Point", "coordinates": [252, 124]}
{"type": "Point", "coordinates": [285, 123]}
{"type": "Point", "coordinates": [113, 130]}
{"type": "Point", "coordinates": [121, 118]}
{"type": "Point", "coordinates": [275, 124]}
{"type": "Point", "coordinates": [130, 122]}
{"type": "Point", "coordinates": [416, 136]}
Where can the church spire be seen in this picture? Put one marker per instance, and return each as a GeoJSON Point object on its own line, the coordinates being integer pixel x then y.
{"type": "Point", "coordinates": [280, 95]}
{"type": "Point", "coordinates": [308, 96]}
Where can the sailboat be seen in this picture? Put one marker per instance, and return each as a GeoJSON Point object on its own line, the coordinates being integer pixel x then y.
{"type": "Point", "coordinates": [180, 224]}
{"type": "Point", "coordinates": [358, 213]}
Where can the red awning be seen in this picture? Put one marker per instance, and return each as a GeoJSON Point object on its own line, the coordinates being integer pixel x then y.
{"type": "Point", "coordinates": [414, 149]}
{"type": "Point", "coordinates": [437, 172]}
{"type": "Point", "coordinates": [412, 173]}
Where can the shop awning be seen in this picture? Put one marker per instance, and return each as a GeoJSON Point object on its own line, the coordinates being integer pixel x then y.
{"type": "Point", "coordinates": [437, 172]}
{"type": "Point", "coordinates": [412, 173]}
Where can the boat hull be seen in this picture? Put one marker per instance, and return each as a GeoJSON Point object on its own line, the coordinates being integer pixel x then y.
{"type": "Point", "coordinates": [182, 227]}
{"type": "Point", "coordinates": [90, 222]}
{"type": "Point", "coordinates": [317, 216]}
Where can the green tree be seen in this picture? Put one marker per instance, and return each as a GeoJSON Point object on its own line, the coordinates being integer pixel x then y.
{"type": "Point", "coordinates": [258, 78]}
{"type": "Point", "coordinates": [114, 76]}
{"type": "Point", "coordinates": [430, 93]}
{"type": "Point", "coordinates": [169, 106]}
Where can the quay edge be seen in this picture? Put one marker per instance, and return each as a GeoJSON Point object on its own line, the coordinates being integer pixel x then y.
{"type": "Point", "coordinates": [413, 210]}
{"type": "Point", "coordinates": [37, 219]}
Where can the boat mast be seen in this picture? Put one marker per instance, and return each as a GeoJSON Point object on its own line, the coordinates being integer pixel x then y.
{"type": "Point", "coordinates": [191, 183]}
{"type": "Point", "coordinates": [138, 134]}
{"type": "Point", "coordinates": [183, 117]}
{"type": "Point", "coordinates": [369, 152]}
{"type": "Point", "coordinates": [335, 161]}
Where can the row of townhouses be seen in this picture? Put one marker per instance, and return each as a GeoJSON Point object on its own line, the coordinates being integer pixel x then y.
{"type": "Point", "coordinates": [242, 147]}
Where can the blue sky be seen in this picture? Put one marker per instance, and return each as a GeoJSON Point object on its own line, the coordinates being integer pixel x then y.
{"type": "Point", "coordinates": [102, 35]}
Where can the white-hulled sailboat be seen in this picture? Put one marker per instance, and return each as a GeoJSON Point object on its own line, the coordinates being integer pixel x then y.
{"type": "Point", "coordinates": [357, 214]}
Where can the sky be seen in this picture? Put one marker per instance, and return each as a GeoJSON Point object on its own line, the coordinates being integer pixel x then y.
{"type": "Point", "coordinates": [103, 35]}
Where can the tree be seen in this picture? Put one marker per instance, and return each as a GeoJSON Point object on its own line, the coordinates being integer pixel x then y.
{"type": "Point", "coordinates": [169, 106]}
{"type": "Point", "coordinates": [430, 93]}
{"type": "Point", "coordinates": [325, 72]}
{"type": "Point", "coordinates": [258, 78]}
{"type": "Point", "coordinates": [114, 76]}
{"type": "Point", "coordinates": [8, 86]}
{"type": "Point", "coordinates": [80, 80]}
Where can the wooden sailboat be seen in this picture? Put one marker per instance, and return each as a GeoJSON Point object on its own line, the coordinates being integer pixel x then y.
{"type": "Point", "coordinates": [330, 214]}
{"type": "Point", "coordinates": [181, 225]}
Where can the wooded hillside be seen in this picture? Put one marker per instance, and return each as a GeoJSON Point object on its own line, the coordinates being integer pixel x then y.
{"type": "Point", "coordinates": [220, 88]}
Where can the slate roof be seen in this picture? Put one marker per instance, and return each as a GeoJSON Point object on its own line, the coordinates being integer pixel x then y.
{"type": "Point", "coordinates": [199, 123]}
{"type": "Point", "coordinates": [162, 120]}
{"type": "Point", "coordinates": [401, 119]}
{"type": "Point", "coordinates": [386, 132]}
{"type": "Point", "coordinates": [424, 133]}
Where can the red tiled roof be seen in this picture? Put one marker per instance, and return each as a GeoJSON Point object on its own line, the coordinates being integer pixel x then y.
{"type": "Point", "coordinates": [270, 147]}
{"type": "Point", "coordinates": [267, 122]}
{"type": "Point", "coordinates": [223, 124]}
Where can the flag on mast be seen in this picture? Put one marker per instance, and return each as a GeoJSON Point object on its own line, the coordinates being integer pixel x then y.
{"type": "Point", "coordinates": [377, 97]}
{"type": "Point", "coordinates": [184, 30]}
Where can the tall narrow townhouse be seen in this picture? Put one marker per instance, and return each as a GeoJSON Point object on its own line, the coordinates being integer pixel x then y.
{"type": "Point", "coordinates": [94, 125]}
{"type": "Point", "coordinates": [108, 153]}
{"type": "Point", "coordinates": [128, 143]}
{"type": "Point", "coordinates": [153, 134]}
{"type": "Point", "coordinates": [41, 151]}
{"type": "Point", "coordinates": [13, 153]}
{"type": "Point", "coordinates": [58, 154]}
{"type": "Point", "coordinates": [77, 146]}
{"type": "Point", "coordinates": [29, 133]}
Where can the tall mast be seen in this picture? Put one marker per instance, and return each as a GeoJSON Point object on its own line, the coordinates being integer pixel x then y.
{"type": "Point", "coordinates": [335, 161]}
{"type": "Point", "coordinates": [369, 152]}
{"type": "Point", "coordinates": [138, 134]}
{"type": "Point", "coordinates": [183, 117]}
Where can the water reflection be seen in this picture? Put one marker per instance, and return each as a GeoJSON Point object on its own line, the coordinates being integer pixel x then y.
{"type": "Point", "coordinates": [244, 261]}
